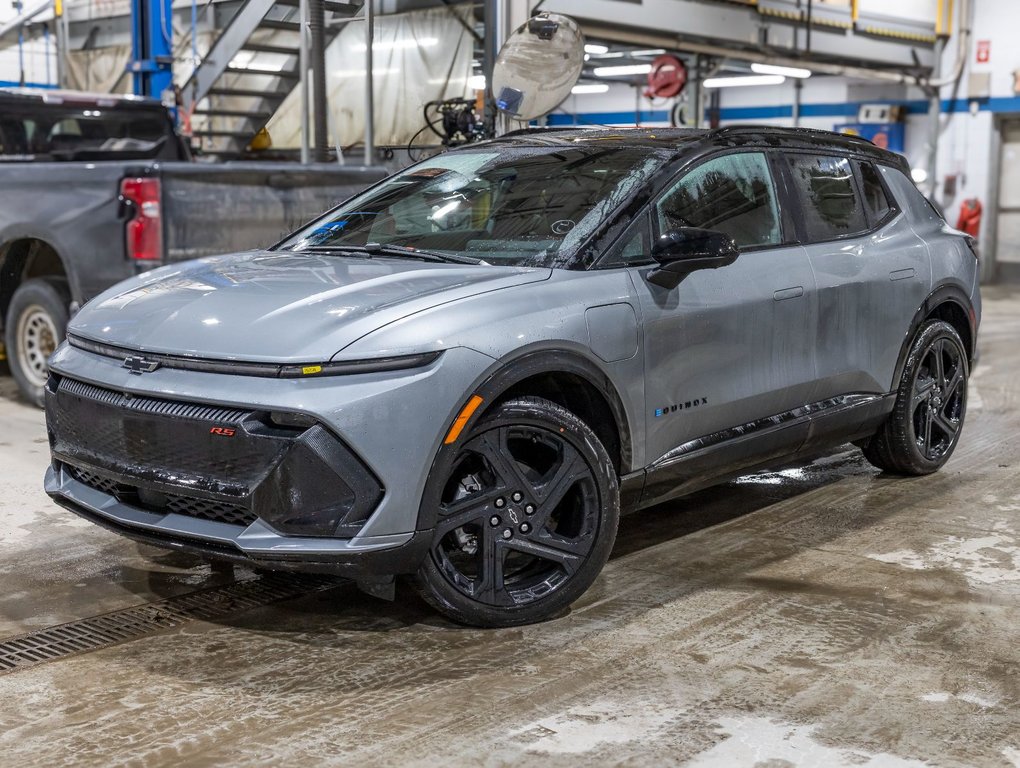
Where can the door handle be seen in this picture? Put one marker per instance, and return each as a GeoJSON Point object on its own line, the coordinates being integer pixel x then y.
{"type": "Point", "coordinates": [789, 293]}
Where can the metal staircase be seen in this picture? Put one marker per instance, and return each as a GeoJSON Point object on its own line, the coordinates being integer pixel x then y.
{"type": "Point", "coordinates": [249, 71]}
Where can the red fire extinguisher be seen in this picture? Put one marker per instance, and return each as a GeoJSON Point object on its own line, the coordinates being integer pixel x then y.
{"type": "Point", "coordinates": [970, 217]}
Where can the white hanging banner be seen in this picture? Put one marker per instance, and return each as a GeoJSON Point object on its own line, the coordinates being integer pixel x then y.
{"type": "Point", "coordinates": [418, 57]}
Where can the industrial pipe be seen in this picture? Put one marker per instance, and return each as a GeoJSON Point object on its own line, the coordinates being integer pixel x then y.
{"type": "Point", "coordinates": [962, 46]}
{"type": "Point", "coordinates": [317, 26]}
{"type": "Point", "coordinates": [303, 81]}
{"type": "Point", "coordinates": [369, 84]}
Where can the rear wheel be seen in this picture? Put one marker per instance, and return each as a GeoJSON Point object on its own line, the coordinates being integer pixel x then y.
{"type": "Point", "coordinates": [35, 326]}
{"type": "Point", "coordinates": [527, 517]}
{"type": "Point", "coordinates": [931, 403]}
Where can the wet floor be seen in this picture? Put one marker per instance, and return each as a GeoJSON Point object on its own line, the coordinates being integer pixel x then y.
{"type": "Point", "coordinates": [824, 615]}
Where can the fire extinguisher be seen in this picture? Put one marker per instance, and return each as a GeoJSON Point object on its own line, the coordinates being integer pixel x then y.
{"type": "Point", "coordinates": [970, 217]}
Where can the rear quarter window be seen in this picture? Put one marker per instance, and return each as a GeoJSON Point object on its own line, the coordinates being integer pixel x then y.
{"type": "Point", "coordinates": [877, 202]}
{"type": "Point", "coordinates": [827, 193]}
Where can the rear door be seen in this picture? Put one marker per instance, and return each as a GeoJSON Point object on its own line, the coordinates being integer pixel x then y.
{"type": "Point", "coordinates": [733, 345]}
{"type": "Point", "coordinates": [872, 271]}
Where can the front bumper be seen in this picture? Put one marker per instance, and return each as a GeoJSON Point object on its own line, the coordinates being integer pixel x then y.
{"type": "Point", "coordinates": [256, 545]}
{"type": "Point", "coordinates": [264, 493]}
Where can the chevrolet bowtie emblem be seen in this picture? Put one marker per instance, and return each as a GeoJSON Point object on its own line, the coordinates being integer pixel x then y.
{"type": "Point", "coordinates": [140, 364]}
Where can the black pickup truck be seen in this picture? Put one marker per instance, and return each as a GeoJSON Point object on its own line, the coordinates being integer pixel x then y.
{"type": "Point", "coordinates": [95, 188]}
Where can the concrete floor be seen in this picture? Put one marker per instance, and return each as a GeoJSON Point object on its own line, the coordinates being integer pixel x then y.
{"type": "Point", "coordinates": [816, 616]}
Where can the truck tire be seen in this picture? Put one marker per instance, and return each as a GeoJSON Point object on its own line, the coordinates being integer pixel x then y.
{"type": "Point", "coordinates": [35, 326]}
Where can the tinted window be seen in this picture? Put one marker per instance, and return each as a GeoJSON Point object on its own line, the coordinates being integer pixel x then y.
{"type": "Point", "coordinates": [531, 206]}
{"type": "Point", "coordinates": [876, 202]}
{"type": "Point", "coordinates": [732, 194]}
{"type": "Point", "coordinates": [50, 132]}
{"type": "Point", "coordinates": [828, 196]}
{"type": "Point", "coordinates": [635, 247]}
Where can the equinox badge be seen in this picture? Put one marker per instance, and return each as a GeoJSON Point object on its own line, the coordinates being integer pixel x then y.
{"type": "Point", "coordinates": [140, 364]}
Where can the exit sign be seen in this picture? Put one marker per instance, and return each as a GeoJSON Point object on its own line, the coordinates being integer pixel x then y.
{"type": "Point", "coordinates": [984, 51]}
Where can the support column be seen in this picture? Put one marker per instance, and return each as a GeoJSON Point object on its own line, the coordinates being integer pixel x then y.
{"type": "Point", "coordinates": [317, 24]}
{"type": "Point", "coordinates": [369, 84]}
{"type": "Point", "coordinates": [303, 81]}
{"type": "Point", "coordinates": [152, 59]}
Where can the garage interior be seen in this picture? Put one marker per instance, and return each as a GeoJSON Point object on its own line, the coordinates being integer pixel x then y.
{"type": "Point", "coordinates": [819, 614]}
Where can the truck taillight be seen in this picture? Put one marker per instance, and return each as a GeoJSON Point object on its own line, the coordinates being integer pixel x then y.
{"type": "Point", "coordinates": [144, 234]}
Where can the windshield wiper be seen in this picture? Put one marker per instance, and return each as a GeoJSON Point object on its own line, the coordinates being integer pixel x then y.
{"type": "Point", "coordinates": [403, 251]}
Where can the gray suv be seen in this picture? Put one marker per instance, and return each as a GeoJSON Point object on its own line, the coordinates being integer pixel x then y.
{"type": "Point", "coordinates": [468, 371]}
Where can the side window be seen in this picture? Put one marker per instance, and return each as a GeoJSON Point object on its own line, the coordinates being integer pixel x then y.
{"type": "Point", "coordinates": [828, 196]}
{"type": "Point", "coordinates": [635, 248]}
{"type": "Point", "coordinates": [876, 201]}
{"type": "Point", "coordinates": [732, 194]}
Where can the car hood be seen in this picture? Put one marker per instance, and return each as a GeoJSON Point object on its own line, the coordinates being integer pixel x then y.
{"type": "Point", "coordinates": [278, 306]}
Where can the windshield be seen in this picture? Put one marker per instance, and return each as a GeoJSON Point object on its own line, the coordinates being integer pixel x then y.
{"type": "Point", "coordinates": [521, 206]}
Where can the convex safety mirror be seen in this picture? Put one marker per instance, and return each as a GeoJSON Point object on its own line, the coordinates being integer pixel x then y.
{"type": "Point", "coordinates": [537, 66]}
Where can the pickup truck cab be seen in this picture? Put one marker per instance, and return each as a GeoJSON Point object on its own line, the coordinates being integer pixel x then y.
{"type": "Point", "coordinates": [97, 188]}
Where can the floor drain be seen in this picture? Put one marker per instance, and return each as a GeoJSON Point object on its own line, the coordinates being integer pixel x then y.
{"type": "Point", "coordinates": [97, 632]}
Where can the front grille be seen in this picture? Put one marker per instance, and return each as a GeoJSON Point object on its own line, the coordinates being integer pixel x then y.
{"type": "Point", "coordinates": [153, 405]}
{"type": "Point", "coordinates": [92, 480]}
{"type": "Point", "coordinates": [205, 509]}
{"type": "Point", "coordinates": [210, 510]}
{"type": "Point", "coordinates": [226, 464]}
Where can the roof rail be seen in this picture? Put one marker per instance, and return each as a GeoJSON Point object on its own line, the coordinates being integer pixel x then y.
{"type": "Point", "coordinates": [541, 129]}
{"type": "Point", "coordinates": [786, 131]}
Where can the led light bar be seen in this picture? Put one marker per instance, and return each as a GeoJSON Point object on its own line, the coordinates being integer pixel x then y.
{"type": "Point", "coordinates": [743, 80]}
{"type": "Point", "coordinates": [623, 70]}
{"type": "Point", "coordinates": [770, 69]}
{"type": "Point", "coordinates": [590, 88]}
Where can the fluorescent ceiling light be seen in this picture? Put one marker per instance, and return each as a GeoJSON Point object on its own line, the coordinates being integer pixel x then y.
{"type": "Point", "coordinates": [476, 82]}
{"type": "Point", "coordinates": [391, 45]}
{"type": "Point", "coordinates": [595, 48]}
{"type": "Point", "coordinates": [769, 69]}
{"type": "Point", "coordinates": [733, 82]}
{"type": "Point", "coordinates": [623, 69]}
{"type": "Point", "coordinates": [590, 88]}
{"type": "Point", "coordinates": [648, 52]}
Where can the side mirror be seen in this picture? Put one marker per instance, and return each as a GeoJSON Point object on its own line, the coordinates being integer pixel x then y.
{"type": "Point", "coordinates": [688, 249]}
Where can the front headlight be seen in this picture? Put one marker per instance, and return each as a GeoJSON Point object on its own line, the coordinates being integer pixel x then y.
{"type": "Point", "coordinates": [151, 361]}
{"type": "Point", "coordinates": [370, 365]}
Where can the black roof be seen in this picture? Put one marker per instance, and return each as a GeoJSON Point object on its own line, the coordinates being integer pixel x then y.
{"type": "Point", "coordinates": [687, 140]}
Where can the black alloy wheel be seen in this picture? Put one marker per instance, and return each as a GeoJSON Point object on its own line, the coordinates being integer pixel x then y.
{"type": "Point", "coordinates": [940, 394]}
{"type": "Point", "coordinates": [931, 402]}
{"type": "Point", "coordinates": [526, 520]}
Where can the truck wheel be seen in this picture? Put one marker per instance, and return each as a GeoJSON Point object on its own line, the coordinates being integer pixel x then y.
{"type": "Point", "coordinates": [35, 326]}
{"type": "Point", "coordinates": [527, 518]}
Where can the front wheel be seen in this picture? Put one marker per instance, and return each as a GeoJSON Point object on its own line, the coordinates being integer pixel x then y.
{"type": "Point", "coordinates": [931, 403]}
{"type": "Point", "coordinates": [527, 517]}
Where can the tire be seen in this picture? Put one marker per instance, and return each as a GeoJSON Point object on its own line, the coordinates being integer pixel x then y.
{"type": "Point", "coordinates": [35, 326]}
{"type": "Point", "coordinates": [931, 402]}
{"type": "Point", "coordinates": [527, 518]}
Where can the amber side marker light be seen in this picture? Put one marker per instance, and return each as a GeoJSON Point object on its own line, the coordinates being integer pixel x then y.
{"type": "Point", "coordinates": [462, 419]}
